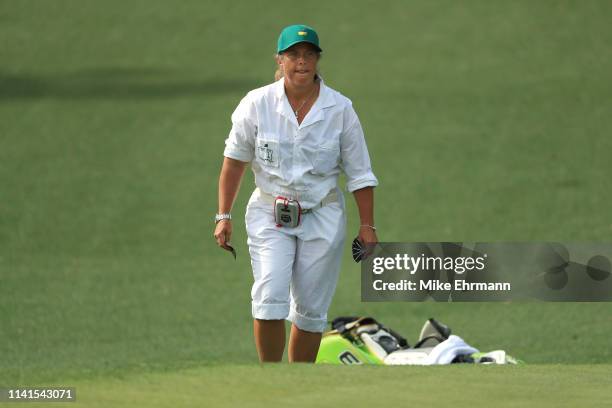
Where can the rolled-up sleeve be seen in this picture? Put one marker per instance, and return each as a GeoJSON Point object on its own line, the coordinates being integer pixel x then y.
{"type": "Point", "coordinates": [355, 158]}
{"type": "Point", "coordinates": [240, 144]}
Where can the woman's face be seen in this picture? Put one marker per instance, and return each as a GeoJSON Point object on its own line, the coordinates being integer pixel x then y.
{"type": "Point", "coordinates": [299, 63]}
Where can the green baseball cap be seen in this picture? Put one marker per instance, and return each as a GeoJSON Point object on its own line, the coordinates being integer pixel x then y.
{"type": "Point", "coordinates": [297, 33]}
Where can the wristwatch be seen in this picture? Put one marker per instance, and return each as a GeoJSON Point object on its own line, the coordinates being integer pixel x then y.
{"type": "Point", "coordinates": [224, 216]}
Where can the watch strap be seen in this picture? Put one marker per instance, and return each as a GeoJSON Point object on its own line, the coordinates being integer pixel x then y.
{"type": "Point", "coordinates": [223, 216]}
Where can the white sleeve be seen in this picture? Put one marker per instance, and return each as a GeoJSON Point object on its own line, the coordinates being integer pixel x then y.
{"type": "Point", "coordinates": [240, 144]}
{"type": "Point", "coordinates": [354, 153]}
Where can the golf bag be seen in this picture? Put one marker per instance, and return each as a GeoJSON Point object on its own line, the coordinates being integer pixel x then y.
{"type": "Point", "coordinates": [364, 340]}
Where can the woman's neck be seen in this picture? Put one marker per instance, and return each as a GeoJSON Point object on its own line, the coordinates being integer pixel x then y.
{"type": "Point", "coordinates": [300, 92]}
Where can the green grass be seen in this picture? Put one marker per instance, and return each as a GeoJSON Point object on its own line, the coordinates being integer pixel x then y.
{"type": "Point", "coordinates": [486, 121]}
{"type": "Point", "coordinates": [316, 386]}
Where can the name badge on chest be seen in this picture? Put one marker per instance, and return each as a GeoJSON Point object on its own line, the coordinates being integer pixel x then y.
{"type": "Point", "coordinates": [268, 153]}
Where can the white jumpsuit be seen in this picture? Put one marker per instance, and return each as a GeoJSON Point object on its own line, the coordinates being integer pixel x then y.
{"type": "Point", "coordinates": [296, 269]}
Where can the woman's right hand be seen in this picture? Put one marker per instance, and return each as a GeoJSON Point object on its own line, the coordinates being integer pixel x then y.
{"type": "Point", "coordinates": [223, 234]}
{"type": "Point", "coordinates": [229, 181]}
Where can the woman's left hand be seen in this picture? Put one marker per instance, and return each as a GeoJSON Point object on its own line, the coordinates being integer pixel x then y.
{"type": "Point", "coordinates": [367, 236]}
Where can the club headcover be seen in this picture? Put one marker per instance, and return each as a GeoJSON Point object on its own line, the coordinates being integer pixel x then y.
{"type": "Point", "coordinates": [359, 250]}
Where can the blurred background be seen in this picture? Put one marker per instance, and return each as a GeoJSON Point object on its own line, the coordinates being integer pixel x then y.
{"type": "Point", "coordinates": [485, 121]}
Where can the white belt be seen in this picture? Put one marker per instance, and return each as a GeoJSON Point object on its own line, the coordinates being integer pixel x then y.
{"type": "Point", "coordinates": [332, 197]}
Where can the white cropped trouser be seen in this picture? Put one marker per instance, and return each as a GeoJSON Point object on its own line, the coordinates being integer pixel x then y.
{"type": "Point", "coordinates": [295, 270]}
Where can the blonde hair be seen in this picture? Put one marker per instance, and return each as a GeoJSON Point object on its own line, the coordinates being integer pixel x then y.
{"type": "Point", "coordinates": [278, 74]}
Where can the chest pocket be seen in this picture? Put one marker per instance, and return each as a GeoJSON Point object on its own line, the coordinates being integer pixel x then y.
{"type": "Point", "coordinates": [326, 158]}
{"type": "Point", "coordinates": [268, 152]}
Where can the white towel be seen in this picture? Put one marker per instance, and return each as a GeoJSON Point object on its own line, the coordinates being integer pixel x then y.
{"type": "Point", "coordinates": [443, 353]}
{"type": "Point", "coordinates": [450, 348]}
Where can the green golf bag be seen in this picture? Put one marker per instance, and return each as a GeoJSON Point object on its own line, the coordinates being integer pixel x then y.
{"type": "Point", "coordinates": [364, 340]}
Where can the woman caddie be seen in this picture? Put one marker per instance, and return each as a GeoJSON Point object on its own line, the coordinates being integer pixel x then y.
{"type": "Point", "coordinates": [298, 135]}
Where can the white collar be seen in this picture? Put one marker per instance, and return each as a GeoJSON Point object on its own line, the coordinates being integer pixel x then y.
{"type": "Point", "coordinates": [325, 100]}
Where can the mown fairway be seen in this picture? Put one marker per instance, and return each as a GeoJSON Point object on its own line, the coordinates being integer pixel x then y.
{"type": "Point", "coordinates": [486, 121]}
{"type": "Point", "coordinates": [315, 386]}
